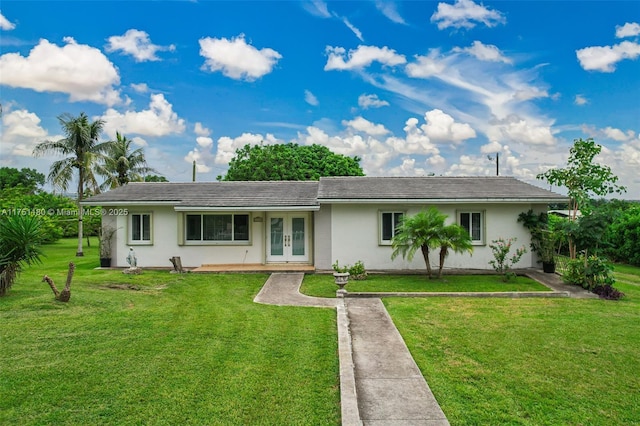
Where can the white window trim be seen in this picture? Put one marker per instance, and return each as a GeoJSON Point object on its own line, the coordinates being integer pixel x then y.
{"type": "Point", "coordinates": [202, 242]}
{"type": "Point", "coordinates": [380, 213]}
{"type": "Point", "coordinates": [483, 224]}
{"type": "Point", "coordinates": [130, 239]}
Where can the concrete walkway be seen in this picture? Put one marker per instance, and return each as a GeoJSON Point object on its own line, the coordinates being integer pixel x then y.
{"type": "Point", "coordinates": [380, 383]}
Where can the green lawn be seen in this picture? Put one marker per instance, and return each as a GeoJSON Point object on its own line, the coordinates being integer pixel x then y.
{"type": "Point", "coordinates": [322, 285]}
{"type": "Point", "coordinates": [190, 349]}
{"type": "Point", "coordinates": [529, 361]}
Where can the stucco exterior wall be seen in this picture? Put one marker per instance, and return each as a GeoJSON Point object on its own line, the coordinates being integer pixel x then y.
{"type": "Point", "coordinates": [164, 244]}
{"type": "Point", "coordinates": [355, 236]}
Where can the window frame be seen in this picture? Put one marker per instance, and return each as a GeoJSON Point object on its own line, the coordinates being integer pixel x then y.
{"type": "Point", "coordinates": [203, 241]}
{"type": "Point", "coordinates": [393, 214]}
{"type": "Point", "coordinates": [141, 241]}
{"type": "Point", "coordinates": [482, 228]}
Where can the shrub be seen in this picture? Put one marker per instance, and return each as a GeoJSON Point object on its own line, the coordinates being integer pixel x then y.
{"type": "Point", "coordinates": [502, 263]}
{"type": "Point", "coordinates": [593, 274]}
{"type": "Point", "coordinates": [607, 291]}
{"type": "Point", "coordinates": [357, 271]}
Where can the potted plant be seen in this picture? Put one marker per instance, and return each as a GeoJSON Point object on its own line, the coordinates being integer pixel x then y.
{"type": "Point", "coordinates": [340, 275]}
{"type": "Point", "coordinates": [106, 238]}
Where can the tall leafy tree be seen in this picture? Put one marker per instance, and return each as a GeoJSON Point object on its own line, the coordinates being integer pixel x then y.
{"type": "Point", "coordinates": [28, 179]}
{"type": "Point", "coordinates": [418, 232]}
{"type": "Point", "coordinates": [452, 238]}
{"type": "Point", "coordinates": [583, 178]}
{"type": "Point", "coordinates": [121, 164]}
{"type": "Point", "coordinates": [20, 239]}
{"type": "Point", "coordinates": [289, 162]}
{"type": "Point", "coordinates": [82, 149]}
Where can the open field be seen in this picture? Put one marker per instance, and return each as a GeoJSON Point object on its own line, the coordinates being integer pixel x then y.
{"type": "Point", "coordinates": [529, 361]}
{"type": "Point", "coordinates": [190, 349]}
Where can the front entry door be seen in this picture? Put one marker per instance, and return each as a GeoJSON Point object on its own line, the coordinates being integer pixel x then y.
{"type": "Point", "coordinates": [288, 237]}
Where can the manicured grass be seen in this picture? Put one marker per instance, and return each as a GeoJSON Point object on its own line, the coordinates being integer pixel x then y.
{"type": "Point", "coordinates": [182, 349]}
{"type": "Point", "coordinates": [529, 361]}
{"type": "Point", "coordinates": [322, 285]}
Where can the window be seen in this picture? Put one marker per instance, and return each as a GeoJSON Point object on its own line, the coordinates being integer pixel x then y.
{"type": "Point", "coordinates": [217, 227]}
{"type": "Point", "coordinates": [140, 228]}
{"type": "Point", "coordinates": [389, 222]}
{"type": "Point", "coordinates": [473, 222]}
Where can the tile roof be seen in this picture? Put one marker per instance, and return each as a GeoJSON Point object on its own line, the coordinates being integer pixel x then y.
{"type": "Point", "coordinates": [332, 189]}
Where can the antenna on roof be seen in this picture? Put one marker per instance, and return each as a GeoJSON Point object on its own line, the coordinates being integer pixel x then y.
{"type": "Point", "coordinates": [194, 171]}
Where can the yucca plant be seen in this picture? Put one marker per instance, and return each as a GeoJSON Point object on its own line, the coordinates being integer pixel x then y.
{"type": "Point", "coordinates": [20, 239]}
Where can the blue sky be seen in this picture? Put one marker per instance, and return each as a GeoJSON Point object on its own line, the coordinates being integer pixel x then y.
{"type": "Point", "coordinates": [412, 88]}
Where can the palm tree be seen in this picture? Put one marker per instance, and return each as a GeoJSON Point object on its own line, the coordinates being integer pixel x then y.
{"type": "Point", "coordinates": [82, 149]}
{"type": "Point", "coordinates": [20, 239]}
{"type": "Point", "coordinates": [121, 165]}
{"type": "Point", "coordinates": [420, 231]}
{"type": "Point", "coordinates": [453, 237]}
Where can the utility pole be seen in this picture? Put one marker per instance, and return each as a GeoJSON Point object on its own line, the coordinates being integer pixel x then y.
{"type": "Point", "coordinates": [193, 178]}
{"type": "Point", "coordinates": [490, 158]}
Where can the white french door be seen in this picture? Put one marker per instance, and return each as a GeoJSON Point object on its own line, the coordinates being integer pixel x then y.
{"type": "Point", "coordinates": [288, 237]}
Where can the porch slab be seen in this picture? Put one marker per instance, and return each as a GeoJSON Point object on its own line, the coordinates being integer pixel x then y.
{"type": "Point", "coordinates": [255, 267]}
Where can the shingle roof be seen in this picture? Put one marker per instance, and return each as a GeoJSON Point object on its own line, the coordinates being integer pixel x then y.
{"type": "Point", "coordinates": [431, 188]}
{"type": "Point", "coordinates": [333, 189]}
{"type": "Point", "coordinates": [214, 194]}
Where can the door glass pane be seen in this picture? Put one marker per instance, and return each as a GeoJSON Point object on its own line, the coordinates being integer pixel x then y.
{"type": "Point", "coordinates": [297, 236]}
{"type": "Point", "coordinates": [277, 230]}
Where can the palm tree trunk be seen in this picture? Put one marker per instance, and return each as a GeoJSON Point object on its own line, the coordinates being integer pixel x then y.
{"type": "Point", "coordinates": [79, 253]}
{"type": "Point", "coordinates": [443, 256]}
{"type": "Point", "coordinates": [425, 254]}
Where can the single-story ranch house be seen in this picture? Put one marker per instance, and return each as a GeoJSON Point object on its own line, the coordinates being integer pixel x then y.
{"type": "Point", "coordinates": [311, 223]}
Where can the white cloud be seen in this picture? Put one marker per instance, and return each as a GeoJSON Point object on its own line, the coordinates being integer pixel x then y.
{"type": "Point", "coordinates": [414, 142]}
{"type": "Point", "coordinates": [317, 8]}
{"type": "Point", "coordinates": [629, 29]}
{"type": "Point", "coordinates": [197, 156]}
{"type": "Point", "coordinates": [371, 101]}
{"type": "Point", "coordinates": [200, 130]}
{"type": "Point", "coordinates": [580, 100]}
{"type": "Point", "coordinates": [604, 58]}
{"type": "Point", "coordinates": [619, 135]}
{"type": "Point", "coordinates": [442, 127]}
{"type": "Point", "coordinates": [137, 44]}
{"type": "Point", "coordinates": [522, 130]}
{"type": "Point", "coordinates": [407, 168]}
{"type": "Point", "coordinates": [353, 28]}
{"type": "Point", "coordinates": [158, 120]}
{"type": "Point", "coordinates": [5, 24]}
{"type": "Point", "coordinates": [390, 10]}
{"type": "Point", "coordinates": [361, 124]}
{"type": "Point", "coordinates": [484, 52]}
{"type": "Point", "coordinates": [140, 88]}
{"type": "Point", "coordinates": [227, 146]}
{"type": "Point", "coordinates": [204, 141]}
{"type": "Point", "coordinates": [361, 57]}
{"type": "Point", "coordinates": [21, 132]}
{"type": "Point", "coordinates": [465, 14]}
{"type": "Point", "coordinates": [427, 66]}
{"type": "Point", "coordinates": [310, 98]}
{"type": "Point", "coordinates": [79, 70]}
{"type": "Point", "coordinates": [236, 59]}
{"type": "Point", "coordinates": [137, 140]}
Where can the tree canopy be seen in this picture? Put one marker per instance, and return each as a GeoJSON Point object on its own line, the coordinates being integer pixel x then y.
{"type": "Point", "coordinates": [289, 162]}
{"type": "Point", "coordinates": [583, 178]}
{"type": "Point", "coordinates": [121, 164]}
{"type": "Point", "coordinates": [28, 179]}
